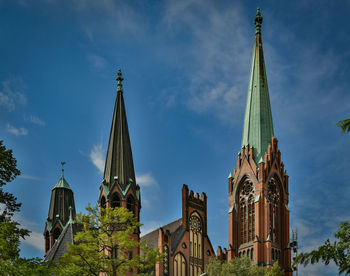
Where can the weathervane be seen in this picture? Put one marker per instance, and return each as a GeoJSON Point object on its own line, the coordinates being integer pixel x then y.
{"type": "Point", "coordinates": [62, 164]}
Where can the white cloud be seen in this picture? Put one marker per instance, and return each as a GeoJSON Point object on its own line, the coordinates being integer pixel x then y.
{"type": "Point", "coordinates": [146, 180]}
{"type": "Point", "coordinates": [16, 131]}
{"type": "Point", "coordinates": [12, 93]}
{"type": "Point", "coordinates": [97, 157]}
{"type": "Point", "coordinates": [29, 177]}
{"type": "Point", "coordinates": [36, 240]}
{"type": "Point", "coordinates": [97, 61]}
{"type": "Point", "coordinates": [217, 74]}
{"type": "Point", "coordinates": [35, 120]}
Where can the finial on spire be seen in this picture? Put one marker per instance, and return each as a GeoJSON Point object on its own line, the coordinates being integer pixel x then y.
{"type": "Point", "coordinates": [119, 80]}
{"type": "Point", "coordinates": [258, 21]}
{"type": "Point", "coordinates": [62, 164]}
{"type": "Point", "coordinates": [70, 221]}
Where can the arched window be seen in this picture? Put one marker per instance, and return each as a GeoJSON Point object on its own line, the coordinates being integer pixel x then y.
{"type": "Point", "coordinates": [240, 254]}
{"type": "Point", "coordinates": [247, 212]}
{"type": "Point", "coordinates": [248, 253]}
{"type": "Point", "coordinates": [47, 241]}
{"type": "Point", "coordinates": [196, 244]}
{"type": "Point", "coordinates": [130, 203]}
{"type": "Point", "coordinates": [273, 254]}
{"type": "Point", "coordinates": [179, 265]}
{"type": "Point", "coordinates": [115, 200]}
{"type": "Point", "coordinates": [273, 196]}
{"type": "Point", "coordinates": [252, 254]}
{"type": "Point", "coordinates": [103, 202]}
{"type": "Point", "coordinates": [56, 233]}
{"type": "Point", "coordinates": [166, 260]}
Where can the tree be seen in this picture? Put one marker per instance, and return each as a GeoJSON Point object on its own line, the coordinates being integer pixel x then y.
{"type": "Point", "coordinates": [241, 267]}
{"type": "Point", "coordinates": [338, 251]}
{"type": "Point", "coordinates": [344, 125]}
{"type": "Point", "coordinates": [8, 172]}
{"type": "Point", "coordinates": [10, 232]}
{"type": "Point", "coordinates": [105, 243]}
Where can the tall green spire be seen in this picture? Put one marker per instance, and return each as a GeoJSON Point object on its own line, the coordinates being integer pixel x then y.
{"type": "Point", "coordinates": [258, 126]}
{"type": "Point", "coordinates": [119, 162]}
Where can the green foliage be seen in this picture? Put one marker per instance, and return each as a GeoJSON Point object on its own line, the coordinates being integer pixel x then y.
{"type": "Point", "coordinates": [101, 239]}
{"type": "Point", "coordinates": [344, 125]}
{"type": "Point", "coordinates": [338, 251]}
{"type": "Point", "coordinates": [10, 235]}
{"type": "Point", "coordinates": [8, 172]}
{"type": "Point", "coordinates": [240, 267]}
{"type": "Point", "coordinates": [10, 231]}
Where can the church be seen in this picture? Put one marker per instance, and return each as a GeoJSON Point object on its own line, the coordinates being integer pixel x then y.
{"type": "Point", "coordinates": [258, 214]}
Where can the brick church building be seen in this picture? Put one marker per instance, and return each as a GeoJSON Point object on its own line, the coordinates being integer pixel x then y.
{"type": "Point", "coordinates": [258, 216]}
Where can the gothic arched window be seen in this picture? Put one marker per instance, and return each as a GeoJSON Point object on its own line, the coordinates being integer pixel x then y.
{"type": "Point", "coordinates": [47, 241]}
{"type": "Point", "coordinates": [115, 200]}
{"type": "Point", "coordinates": [196, 244]}
{"type": "Point", "coordinates": [166, 260]}
{"type": "Point", "coordinates": [130, 203]}
{"type": "Point", "coordinates": [247, 212]}
{"type": "Point", "coordinates": [103, 202]}
{"type": "Point", "coordinates": [179, 265]}
{"type": "Point", "coordinates": [273, 196]}
{"type": "Point", "coordinates": [56, 233]}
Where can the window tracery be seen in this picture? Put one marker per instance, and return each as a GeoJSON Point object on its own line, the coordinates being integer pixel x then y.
{"type": "Point", "coordinates": [196, 258]}
{"type": "Point", "coordinates": [247, 212]}
{"type": "Point", "coordinates": [273, 196]}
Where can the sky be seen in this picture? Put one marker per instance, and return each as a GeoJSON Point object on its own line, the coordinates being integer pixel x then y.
{"type": "Point", "coordinates": [186, 67]}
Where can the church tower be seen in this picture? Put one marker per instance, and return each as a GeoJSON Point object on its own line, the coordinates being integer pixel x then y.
{"type": "Point", "coordinates": [61, 211]}
{"type": "Point", "coordinates": [119, 188]}
{"type": "Point", "coordinates": [258, 186]}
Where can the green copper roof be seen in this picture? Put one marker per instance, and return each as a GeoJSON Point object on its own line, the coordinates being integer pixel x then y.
{"type": "Point", "coordinates": [62, 183]}
{"type": "Point", "coordinates": [119, 161]}
{"type": "Point", "coordinates": [258, 126]}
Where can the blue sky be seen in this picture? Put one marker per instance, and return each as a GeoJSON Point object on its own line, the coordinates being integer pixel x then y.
{"type": "Point", "coordinates": [186, 67]}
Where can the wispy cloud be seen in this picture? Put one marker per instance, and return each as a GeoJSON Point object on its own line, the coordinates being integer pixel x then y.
{"type": "Point", "coordinates": [35, 120]}
{"type": "Point", "coordinates": [21, 131]}
{"type": "Point", "coordinates": [217, 74]}
{"type": "Point", "coordinates": [35, 238]}
{"type": "Point", "coordinates": [29, 177]}
{"type": "Point", "coordinates": [146, 180]}
{"type": "Point", "coordinates": [97, 61]}
{"type": "Point", "coordinates": [12, 93]}
{"type": "Point", "coordinates": [97, 157]}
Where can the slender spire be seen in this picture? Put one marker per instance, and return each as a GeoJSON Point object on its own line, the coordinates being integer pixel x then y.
{"type": "Point", "coordinates": [258, 126]}
{"type": "Point", "coordinates": [119, 162]}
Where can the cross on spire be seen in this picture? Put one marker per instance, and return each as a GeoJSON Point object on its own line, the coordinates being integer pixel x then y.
{"type": "Point", "coordinates": [258, 21]}
{"type": "Point", "coordinates": [119, 80]}
{"type": "Point", "coordinates": [62, 164]}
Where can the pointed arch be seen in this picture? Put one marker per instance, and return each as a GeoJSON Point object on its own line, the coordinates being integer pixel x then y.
{"type": "Point", "coordinates": [56, 233]}
{"type": "Point", "coordinates": [196, 243]}
{"type": "Point", "coordinates": [103, 202]}
{"type": "Point", "coordinates": [130, 203]}
{"type": "Point", "coordinates": [115, 200]}
{"type": "Point", "coordinates": [180, 265]}
{"type": "Point", "coordinates": [245, 197]}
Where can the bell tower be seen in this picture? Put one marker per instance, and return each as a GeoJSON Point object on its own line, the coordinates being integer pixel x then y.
{"type": "Point", "coordinates": [258, 186]}
{"type": "Point", "coordinates": [119, 188]}
{"type": "Point", "coordinates": [61, 211]}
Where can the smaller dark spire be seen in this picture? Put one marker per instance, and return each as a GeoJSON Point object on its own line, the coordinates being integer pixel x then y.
{"type": "Point", "coordinates": [258, 21]}
{"type": "Point", "coordinates": [119, 80]}
{"type": "Point", "coordinates": [62, 164]}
